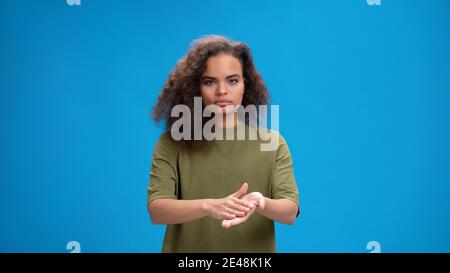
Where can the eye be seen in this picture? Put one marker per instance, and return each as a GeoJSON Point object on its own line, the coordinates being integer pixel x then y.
{"type": "Point", "coordinates": [233, 81]}
{"type": "Point", "coordinates": [208, 82]}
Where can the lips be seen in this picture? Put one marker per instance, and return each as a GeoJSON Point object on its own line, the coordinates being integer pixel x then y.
{"type": "Point", "coordinates": [223, 103]}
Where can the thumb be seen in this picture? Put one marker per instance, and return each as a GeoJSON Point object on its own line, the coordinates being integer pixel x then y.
{"type": "Point", "coordinates": [242, 191]}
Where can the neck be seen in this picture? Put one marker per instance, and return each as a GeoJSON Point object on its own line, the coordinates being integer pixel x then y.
{"type": "Point", "coordinates": [229, 121]}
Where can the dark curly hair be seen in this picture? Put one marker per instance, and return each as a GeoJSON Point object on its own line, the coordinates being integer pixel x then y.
{"type": "Point", "coordinates": [183, 82]}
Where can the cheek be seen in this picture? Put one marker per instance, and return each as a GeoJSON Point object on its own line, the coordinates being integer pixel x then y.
{"type": "Point", "coordinates": [239, 91]}
{"type": "Point", "coordinates": [207, 96]}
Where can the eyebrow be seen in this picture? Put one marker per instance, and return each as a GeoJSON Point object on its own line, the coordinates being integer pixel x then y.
{"type": "Point", "coordinates": [230, 76]}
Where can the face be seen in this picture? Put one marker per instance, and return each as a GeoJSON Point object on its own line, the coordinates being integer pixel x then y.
{"type": "Point", "coordinates": [222, 82]}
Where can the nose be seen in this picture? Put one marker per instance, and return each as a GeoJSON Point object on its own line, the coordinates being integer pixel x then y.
{"type": "Point", "coordinates": [221, 89]}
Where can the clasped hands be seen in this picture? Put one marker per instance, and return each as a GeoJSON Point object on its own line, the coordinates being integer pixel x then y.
{"type": "Point", "coordinates": [235, 208]}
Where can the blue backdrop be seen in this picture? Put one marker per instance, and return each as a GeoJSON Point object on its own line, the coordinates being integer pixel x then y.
{"type": "Point", "coordinates": [364, 106]}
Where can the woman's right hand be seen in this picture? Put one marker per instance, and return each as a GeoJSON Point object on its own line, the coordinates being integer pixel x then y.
{"type": "Point", "coordinates": [229, 207]}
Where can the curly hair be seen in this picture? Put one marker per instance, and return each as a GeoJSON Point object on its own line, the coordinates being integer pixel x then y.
{"type": "Point", "coordinates": [183, 83]}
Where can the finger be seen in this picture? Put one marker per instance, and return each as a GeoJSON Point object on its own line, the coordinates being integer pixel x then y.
{"type": "Point", "coordinates": [242, 203]}
{"type": "Point", "coordinates": [242, 191]}
{"type": "Point", "coordinates": [228, 216]}
{"type": "Point", "coordinates": [235, 212]}
{"type": "Point", "coordinates": [254, 203]}
{"type": "Point", "coordinates": [242, 208]}
{"type": "Point", "coordinates": [233, 205]}
{"type": "Point", "coordinates": [237, 221]}
{"type": "Point", "coordinates": [226, 223]}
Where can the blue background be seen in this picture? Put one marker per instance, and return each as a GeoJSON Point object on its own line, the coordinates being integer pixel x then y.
{"type": "Point", "coordinates": [364, 106]}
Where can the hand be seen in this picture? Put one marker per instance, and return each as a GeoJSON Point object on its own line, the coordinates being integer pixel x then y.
{"type": "Point", "coordinates": [229, 207]}
{"type": "Point", "coordinates": [255, 198]}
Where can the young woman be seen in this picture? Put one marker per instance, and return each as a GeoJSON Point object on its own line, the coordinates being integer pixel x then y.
{"type": "Point", "coordinates": [218, 195]}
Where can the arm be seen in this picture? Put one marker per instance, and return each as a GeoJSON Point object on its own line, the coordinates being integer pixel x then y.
{"type": "Point", "coordinates": [172, 211]}
{"type": "Point", "coordinates": [283, 206]}
{"type": "Point", "coordinates": [281, 210]}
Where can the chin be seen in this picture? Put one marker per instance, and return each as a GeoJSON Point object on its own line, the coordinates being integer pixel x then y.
{"type": "Point", "coordinates": [228, 110]}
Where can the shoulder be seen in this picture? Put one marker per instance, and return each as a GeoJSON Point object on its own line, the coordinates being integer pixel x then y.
{"type": "Point", "coordinates": [167, 144]}
{"type": "Point", "coordinates": [272, 140]}
{"type": "Point", "coordinates": [165, 139]}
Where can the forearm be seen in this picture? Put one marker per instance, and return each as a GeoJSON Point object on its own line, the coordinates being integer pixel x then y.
{"type": "Point", "coordinates": [281, 210]}
{"type": "Point", "coordinates": [172, 211]}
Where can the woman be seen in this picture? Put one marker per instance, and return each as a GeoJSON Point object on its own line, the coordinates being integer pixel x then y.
{"type": "Point", "coordinates": [218, 195]}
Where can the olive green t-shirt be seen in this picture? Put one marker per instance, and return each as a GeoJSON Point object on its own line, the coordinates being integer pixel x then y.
{"type": "Point", "coordinates": [216, 172]}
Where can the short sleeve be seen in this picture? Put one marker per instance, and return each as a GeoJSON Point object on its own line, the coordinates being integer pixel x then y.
{"type": "Point", "coordinates": [163, 172]}
{"type": "Point", "coordinates": [283, 181]}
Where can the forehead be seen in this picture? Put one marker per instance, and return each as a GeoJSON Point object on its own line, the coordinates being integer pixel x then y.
{"type": "Point", "coordinates": [222, 65]}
